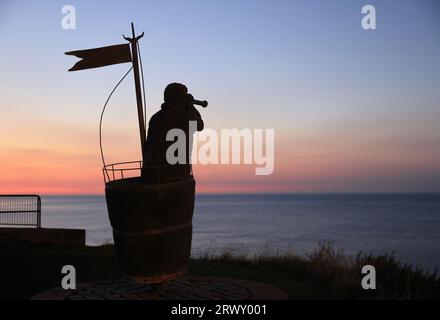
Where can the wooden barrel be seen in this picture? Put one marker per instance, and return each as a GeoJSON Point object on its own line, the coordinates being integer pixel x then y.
{"type": "Point", "coordinates": [152, 227]}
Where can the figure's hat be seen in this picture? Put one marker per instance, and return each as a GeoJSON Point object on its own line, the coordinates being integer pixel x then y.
{"type": "Point", "coordinates": [175, 92]}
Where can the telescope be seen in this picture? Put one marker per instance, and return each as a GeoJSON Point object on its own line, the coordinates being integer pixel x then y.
{"type": "Point", "coordinates": [203, 103]}
{"type": "Point", "coordinates": [191, 100]}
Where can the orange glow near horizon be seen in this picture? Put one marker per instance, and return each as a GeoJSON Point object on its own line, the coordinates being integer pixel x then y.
{"type": "Point", "coordinates": [313, 165]}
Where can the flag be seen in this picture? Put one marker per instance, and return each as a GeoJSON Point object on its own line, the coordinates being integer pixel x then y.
{"type": "Point", "coordinates": [100, 57]}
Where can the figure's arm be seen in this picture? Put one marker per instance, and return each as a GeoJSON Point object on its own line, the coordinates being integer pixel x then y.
{"type": "Point", "coordinates": [197, 117]}
{"type": "Point", "coordinates": [194, 115]}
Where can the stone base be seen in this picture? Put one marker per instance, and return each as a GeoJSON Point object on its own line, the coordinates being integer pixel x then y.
{"type": "Point", "coordinates": [186, 288]}
{"type": "Point", "coordinates": [64, 237]}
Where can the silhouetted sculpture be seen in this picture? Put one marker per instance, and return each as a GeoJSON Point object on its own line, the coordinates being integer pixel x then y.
{"type": "Point", "coordinates": [176, 113]}
{"type": "Point", "coordinates": [151, 214]}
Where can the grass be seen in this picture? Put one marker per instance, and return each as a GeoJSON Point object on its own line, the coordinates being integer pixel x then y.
{"type": "Point", "coordinates": [326, 273]}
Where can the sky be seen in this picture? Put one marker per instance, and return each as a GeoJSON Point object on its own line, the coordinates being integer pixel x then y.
{"type": "Point", "coordinates": [353, 110]}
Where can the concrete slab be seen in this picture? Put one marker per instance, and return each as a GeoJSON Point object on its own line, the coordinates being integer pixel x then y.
{"type": "Point", "coordinates": [69, 237]}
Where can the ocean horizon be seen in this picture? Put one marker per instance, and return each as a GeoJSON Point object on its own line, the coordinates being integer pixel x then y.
{"type": "Point", "coordinates": [405, 224]}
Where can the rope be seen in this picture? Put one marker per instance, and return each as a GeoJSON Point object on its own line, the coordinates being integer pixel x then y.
{"type": "Point", "coordinates": [102, 114]}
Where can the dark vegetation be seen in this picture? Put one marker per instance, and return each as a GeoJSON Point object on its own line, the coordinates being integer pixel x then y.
{"type": "Point", "coordinates": [326, 273]}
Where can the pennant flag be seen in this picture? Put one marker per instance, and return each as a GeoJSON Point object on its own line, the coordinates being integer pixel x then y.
{"type": "Point", "coordinates": [100, 57]}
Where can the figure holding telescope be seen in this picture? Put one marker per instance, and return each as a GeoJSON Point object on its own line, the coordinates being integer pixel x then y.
{"type": "Point", "coordinates": [176, 112]}
{"type": "Point", "coordinates": [151, 213]}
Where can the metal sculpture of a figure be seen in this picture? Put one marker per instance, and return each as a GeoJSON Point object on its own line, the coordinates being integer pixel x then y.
{"type": "Point", "coordinates": [150, 213]}
{"type": "Point", "coordinates": [177, 112]}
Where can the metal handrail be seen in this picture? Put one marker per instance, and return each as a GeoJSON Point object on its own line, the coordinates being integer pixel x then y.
{"type": "Point", "coordinates": [115, 171]}
{"type": "Point", "coordinates": [20, 210]}
{"type": "Point", "coordinates": [110, 170]}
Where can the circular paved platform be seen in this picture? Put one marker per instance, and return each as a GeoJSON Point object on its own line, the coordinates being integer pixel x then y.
{"type": "Point", "coordinates": [186, 288]}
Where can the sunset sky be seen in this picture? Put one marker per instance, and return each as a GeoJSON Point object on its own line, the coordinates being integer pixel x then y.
{"type": "Point", "coordinates": [353, 110]}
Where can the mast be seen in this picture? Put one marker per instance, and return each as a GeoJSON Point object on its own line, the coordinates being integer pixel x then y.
{"type": "Point", "coordinates": [133, 42]}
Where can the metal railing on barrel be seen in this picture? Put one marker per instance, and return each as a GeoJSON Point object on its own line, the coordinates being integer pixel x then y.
{"type": "Point", "coordinates": [122, 170]}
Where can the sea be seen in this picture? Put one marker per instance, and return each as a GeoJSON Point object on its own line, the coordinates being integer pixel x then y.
{"type": "Point", "coordinates": [407, 225]}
